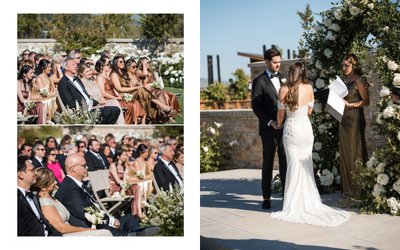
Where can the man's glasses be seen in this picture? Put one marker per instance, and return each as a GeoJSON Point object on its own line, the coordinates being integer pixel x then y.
{"type": "Point", "coordinates": [82, 165]}
{"type": "Point", "coordinates": [42, 149]}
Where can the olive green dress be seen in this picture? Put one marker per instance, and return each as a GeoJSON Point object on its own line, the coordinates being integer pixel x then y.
{"type": "Point", "coordinates": [351, 139]}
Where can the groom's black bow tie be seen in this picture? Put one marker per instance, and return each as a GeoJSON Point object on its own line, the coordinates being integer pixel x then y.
{"type": "Point", "coordinates": [29, 194]}
{"type": "Point", "coordinates": [274, 75]}
{"type": "Point", "coordinates": [75, 79]}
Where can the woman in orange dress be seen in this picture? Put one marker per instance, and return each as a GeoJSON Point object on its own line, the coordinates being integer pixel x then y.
{"type": "Point", "coordinates": [134, 111]}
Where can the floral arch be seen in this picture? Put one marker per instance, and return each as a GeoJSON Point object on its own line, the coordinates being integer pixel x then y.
{"type": "Point", "coordinates": [371, 30]}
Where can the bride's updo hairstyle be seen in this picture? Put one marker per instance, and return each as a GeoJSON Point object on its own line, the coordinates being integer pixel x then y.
{"type": "Point", "coordinates": [297, 75]}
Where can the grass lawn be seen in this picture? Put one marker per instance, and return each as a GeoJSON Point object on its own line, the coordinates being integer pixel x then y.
{"type": "Point", "coordinates": [179, 119]}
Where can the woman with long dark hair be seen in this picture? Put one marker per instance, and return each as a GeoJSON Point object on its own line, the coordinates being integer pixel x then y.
{"type": "Point", "coordinates": [24, 89]}
{"type": "Point", "coordinates": [301, 203]}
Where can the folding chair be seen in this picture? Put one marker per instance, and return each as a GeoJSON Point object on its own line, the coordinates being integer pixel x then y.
{"type": "Point", "coordinates": [100, 183]}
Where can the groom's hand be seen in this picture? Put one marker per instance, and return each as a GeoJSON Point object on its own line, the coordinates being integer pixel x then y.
{"type": "Point", "coordinates": [274, 124]}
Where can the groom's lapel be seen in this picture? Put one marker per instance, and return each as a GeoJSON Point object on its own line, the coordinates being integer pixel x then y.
{"type": "Point", "coordinates": [270, 85]}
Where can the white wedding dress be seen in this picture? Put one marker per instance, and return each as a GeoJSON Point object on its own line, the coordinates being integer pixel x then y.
{"type": "Point", "coordinates": [302, 203]}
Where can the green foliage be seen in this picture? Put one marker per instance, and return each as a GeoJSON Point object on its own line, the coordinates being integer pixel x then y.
{"type": "Point", "coordinates": [159, 26]}
{"type": "Point", "coordinates": [165, 209]}
{"type": "Point", "coordinates": [41, 132]}
{"type": "Point", "coordinates": [78, 115]}
{"type": "Point", "coordinates": [118, 25]}
{"type": "Point", "coordinates": [210, 148]}
{"type": "Point", "coordinates": [216, 92]}
{"type": "Point", "coordinates": [78, 31]}
{"type": "Point", "coordinates": [307, 20]}
{"type": "Point", "coordinates": [238, 87]}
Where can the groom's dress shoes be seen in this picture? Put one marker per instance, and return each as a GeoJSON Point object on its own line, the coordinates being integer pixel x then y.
{"type": "Point", "coordinates": [266, 204]}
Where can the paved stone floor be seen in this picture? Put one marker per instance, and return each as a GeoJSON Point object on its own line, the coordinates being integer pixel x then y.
{"type": "Point", "coordinates": [232, 218]}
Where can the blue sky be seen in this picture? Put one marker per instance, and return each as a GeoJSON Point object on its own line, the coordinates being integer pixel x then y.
{"type": "Point", "coordinates": [228, 27]}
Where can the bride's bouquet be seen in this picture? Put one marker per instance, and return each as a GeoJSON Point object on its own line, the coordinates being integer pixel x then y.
{"type": "Point", "coordinates": [95, 216]}
{"type": "Point", "coordinates": [43, 92]}
{"type": "Point", "coordinates": [127, 97]}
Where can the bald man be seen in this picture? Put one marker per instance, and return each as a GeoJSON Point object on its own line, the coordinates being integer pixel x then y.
{"type": "Point", "coordinates": [75, 198]}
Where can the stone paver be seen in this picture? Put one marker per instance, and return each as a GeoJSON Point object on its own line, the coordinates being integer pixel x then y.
{"type": "Point", "coordinates": [232, 218]}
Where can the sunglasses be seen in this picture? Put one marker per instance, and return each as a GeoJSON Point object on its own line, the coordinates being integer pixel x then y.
{"type": "Point", "coordinates": [63, 55]}
{"type": "Point", "coordinates": [134, 67]}
{"type": "Point", "coordinates": [53, 154]}
{"type": "Point", "coordinates": [83, 146]}
{"type": "Point", "coordinates": [26, 54]}
{"type": "Point", "coordinates": [121, 62]}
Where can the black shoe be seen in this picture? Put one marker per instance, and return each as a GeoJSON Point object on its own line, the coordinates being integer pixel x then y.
{"type": "Point", "coordinates": [266, 204]}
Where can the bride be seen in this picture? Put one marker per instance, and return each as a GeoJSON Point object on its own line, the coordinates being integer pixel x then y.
{"type": "Point", "coordinates": [302, 203]}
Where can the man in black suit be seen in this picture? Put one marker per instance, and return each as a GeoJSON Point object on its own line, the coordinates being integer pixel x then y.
{"type": "Point", "coordinates": [265, 91]}
{"type": "Point", "coordinates": [72, 90]}
{"type": "Point", "coordinates": [38, 155]}
{"type": "Point", "coordinates": [165, 171]}
{"type": "Point", "coordinates": [94, 159]}
{"type": "Point", "coordinates": [31, 221]}
{"type": "Point", "coordinates": [76, 198]}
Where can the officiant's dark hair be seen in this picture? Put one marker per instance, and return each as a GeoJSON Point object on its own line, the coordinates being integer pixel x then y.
{"type": "Point", "coordinates": [353, 60]}
{"type": "Point", "coordinates": [297, 75]}
{"type": "Point", "coordinates": [269, 53]}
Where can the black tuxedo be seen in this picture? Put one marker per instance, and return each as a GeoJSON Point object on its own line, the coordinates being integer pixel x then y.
{"type": "Point", "coordinates": [75, 199]}
{"type": "Point", "coordinates": [163, 175]}
{"type": "Point", "coordinates": [28, 223]}
{"type": "Point", "coordinates": [93, 162]}
{"type": "Point", "coordinates": [36, 163]}
{"type": "Point", "coordinates": [265, 106]}
{"type": "Point", "coordinates": [70, 95]}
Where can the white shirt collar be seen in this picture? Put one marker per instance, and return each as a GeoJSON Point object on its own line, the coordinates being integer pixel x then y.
{"type": "Point", "coordinates": [78, 182]}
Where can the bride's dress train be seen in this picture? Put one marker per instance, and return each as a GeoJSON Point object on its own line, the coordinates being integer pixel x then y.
{"type": "Point", "coordinates": [302, 203]}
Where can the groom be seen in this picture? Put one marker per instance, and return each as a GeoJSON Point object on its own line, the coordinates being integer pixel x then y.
{"type": "Point", "coordinates": [265, 91]}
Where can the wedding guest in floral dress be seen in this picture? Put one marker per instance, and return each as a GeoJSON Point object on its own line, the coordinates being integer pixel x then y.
{"type": "Point", "coordinates": [24, 88]}
{"type": "Point", "coordinates": [43, 89]}
{"type": "Point", "coordinates": [134, 111]}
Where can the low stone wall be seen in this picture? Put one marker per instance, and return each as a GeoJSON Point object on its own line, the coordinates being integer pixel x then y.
{"type": "Point", "coordinates": [242, 125]}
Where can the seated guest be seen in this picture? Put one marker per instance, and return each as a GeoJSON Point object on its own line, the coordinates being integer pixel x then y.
{"type": "Point", "coordinates": [53, 165]}
{"type": "Point", "coordinates": [94, 159]}
{"type": "Point", "coordinates": [26, 149]}
{"type": "Point", "coordinates": [165, 171]}
{"type": "Point", "coordinates": [179, 161]}
{"type": "Point", "coordinates": [72, 91]}
{"type": "Point", "coordinates": [81, 147]}
{"type": "Point", "coordinates": [106, 151]}
{"type": "Point", "coordinates": [38, 155]}
{"type": "Point", "coordinates": [55, 212]}
{"type": "Point", "coordinates": [86, 76]}
{"type": "Point", "coordinates": [75, 197]}
{"type": "Point", "coordinates": [31, 221]}
{"type": "Point", "coordinates": [51, 142]}
{"type": "Point", "coordinates": [153, 158]}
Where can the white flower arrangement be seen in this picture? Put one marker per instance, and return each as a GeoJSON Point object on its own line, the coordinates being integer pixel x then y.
{"type": "Point", "coordinates": [382, 179]}
{"type": "Point", "coordinates": [326, 178]}
{"type": "Point", "coordinates": [140, 174]}
{"type": "Point", "coordinates": [95, 216]}
{"type": "Point", "coordinates": [385, 91]}
{"type": "Point", "coordinates": [380, 168]}
{"type": "Point", "coordinates": [127, 97]}
{"type": "Point", "coordinates": [378, 190]}
{"type": "Point", "coordinates": [389, 112]}
{"type": "Point", "coordinates": [338, 14]}
{"type": "Point", "coordinates": [354, 11]}
{"type": "Point", "coordinates": [394, 205]}
{"type": "Point", "coordinates": [43, 92]}
{"type": "Point", "coordinates": [396, 79]}
{"type": "Point", "coordinates": [392, 65]}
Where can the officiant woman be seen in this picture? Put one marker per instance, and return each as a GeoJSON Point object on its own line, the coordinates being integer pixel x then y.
{"type": "Point", "coordinates": [352, 145]}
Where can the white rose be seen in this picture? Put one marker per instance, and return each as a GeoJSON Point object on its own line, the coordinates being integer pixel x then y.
{"type": "Point", "coordinates": [354, 10]}
{"type": "Point", "coordinates": [328, 53]}
{"type": "Point", "coordinates": [392, 65]}
{"type": "Point", "coordinates": [233, 143]}
{"type": "Point", "coordinates": [338, 14]}
{"type": "Point", "coordinates": [379, 119]}
{"type": "Point", "coordinates": [393, 204]}
{"type": "Point", "coordinates": [398, 135]}
{"type": "Point", "coordinates": [382, 179]}
{"type": "Point", "coordinates": [212, 130]}
{"type": "Point", "coordinates": [370, 162]}
{"type": "Point", "coordinates": [334, 27]}
{"type": "Point", "coordinates": [317, 146]}
{"type": "Point", "coordinates": [335, 171]}
{"type": "Point", "coordinates": [321, 128]}
{"type": "Point", "coordinates": [378, 189]}
{"type": "Point", "coordinates": [330, 36]}
{"type": "Point", "coordinates": [337, 179]}
{"type": "Point", "coordinates": [384, 92]}
{"type": "Point", "coordinates": [370, 6]}
{"type": "Point", "coordinates": [315, 156]}
{"type": "Point", "coordinates": [396, 79]}
{"type": "Point", "coordinates": [388, 112]}
{"type": "Point", "coordinates": [396, 186]}
{"type": "Point", "coordinates": [386, 28]}
{"type": "Point", "coordinates": [327, 22]}
{"type": "Point", "coordinates": [205, 149]}
{"type": "Point", "coordinates": [326, 178]}
{"type": "Point", "coordinates": [218, 125]}
{"type": "Point", "coordinates": [283, 80]}
{"type": "Point", "coordinates": [380, 168]}
{"type": "Point", "coordinates": [320, 83]}
{"type": "Point", "coordinates": [318, 65]}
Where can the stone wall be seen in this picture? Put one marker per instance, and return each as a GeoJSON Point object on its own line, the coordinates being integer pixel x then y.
{"type": "Point", "coordinates": [173, 45]}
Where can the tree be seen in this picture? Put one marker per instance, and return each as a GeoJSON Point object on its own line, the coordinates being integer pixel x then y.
{"type": "Point", "coordinates": [119, 25]}
{"type": "Point", "coordinates": [307, 20]}
{"type": "Point", "coordinates": [158, 26]}
{"type": "Point", "coordinates": [238, 87]}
